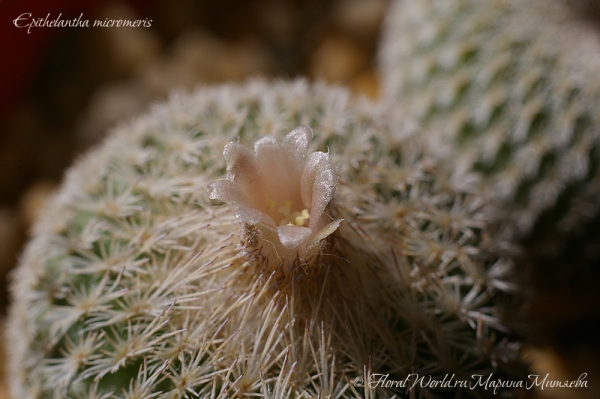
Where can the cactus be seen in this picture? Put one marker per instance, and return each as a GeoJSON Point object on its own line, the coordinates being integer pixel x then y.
{"type": "Point", "coordinates": [507, 91]}
{"type": "Point", "coordinates": [172, 264]}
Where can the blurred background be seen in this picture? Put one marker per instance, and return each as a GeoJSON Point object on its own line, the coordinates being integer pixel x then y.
{"type": "Point", "coordinates": [61, 89]}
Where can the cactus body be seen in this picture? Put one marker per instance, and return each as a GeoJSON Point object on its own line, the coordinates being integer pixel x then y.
{"type": "Point", "coordinates": [136, 285]}
{"type": "Point", "coordinates": [507, 90]}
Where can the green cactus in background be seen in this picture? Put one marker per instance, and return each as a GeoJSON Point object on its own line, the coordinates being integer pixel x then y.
{"type": "Point", "coordinates": [334, 257]}
{"type": "Point", "coordinates": [507, 91]}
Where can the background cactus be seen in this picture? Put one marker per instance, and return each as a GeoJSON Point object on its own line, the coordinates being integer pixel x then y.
{"type": "Point", "coordinates": [507, 90]}
{"type": "Point", "coordinates": [135, 285]}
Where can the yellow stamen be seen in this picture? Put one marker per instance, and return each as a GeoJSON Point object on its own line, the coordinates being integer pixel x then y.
{"type": "Point", "coordinates": [302, 218]}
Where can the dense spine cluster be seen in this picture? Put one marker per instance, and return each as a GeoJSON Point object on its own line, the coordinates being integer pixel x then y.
{"type": "Point", "coordinates": [506, 90]}
{"type": "Point", "coordinates": [137, 285]}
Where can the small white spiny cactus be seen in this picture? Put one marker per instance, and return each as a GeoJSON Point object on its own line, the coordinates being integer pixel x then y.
{"type": "Point", "coordinates": [505, 90]}
{"type": "Point", "coordinates": [138, 285]}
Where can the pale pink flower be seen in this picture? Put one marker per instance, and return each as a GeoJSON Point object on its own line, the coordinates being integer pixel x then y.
{"type": "Point", "coordinates": [281, 191]}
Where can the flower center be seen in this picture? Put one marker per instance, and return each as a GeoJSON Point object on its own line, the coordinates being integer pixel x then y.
{"type": "Point", "coordinates": [296, 218]}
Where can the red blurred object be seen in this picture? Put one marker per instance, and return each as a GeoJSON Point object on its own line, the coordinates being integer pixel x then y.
{"type": "Point", "coordinates": [21, 51]}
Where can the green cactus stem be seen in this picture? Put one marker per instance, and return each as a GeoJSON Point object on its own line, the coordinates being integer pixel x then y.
{"type": "Point", "coordinates": [316, 249]}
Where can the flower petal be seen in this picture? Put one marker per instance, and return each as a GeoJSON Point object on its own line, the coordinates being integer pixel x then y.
{"type": "Point", "coordinates": [230, 192]}
{"type": "Point", "coordinates": [281, 176]}
{"type": "Point", "coordinates": [323, 233]}
{"type": "Point", "coordinates": [295, 145]}
{"type": "Point", "coordinates": [243, 169]}
{"type": "Point", "coordinates": [323, 191]}
{"type": "Point", "coordinates": [254, 216]}
{"type": "Point", "coordinates": [268, 149]}
{"type": "Point", "coordinates": [315, 162]}
{"type": "Point", "coordinates": [318, 184]}
{"type": "Point", "coordinates": [293, 236]}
